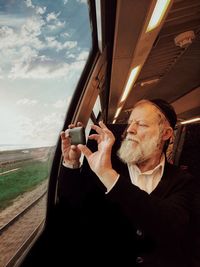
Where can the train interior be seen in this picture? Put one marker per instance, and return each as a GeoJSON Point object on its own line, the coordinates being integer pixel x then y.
{"type": "Point", "coordinates": [133, 57]}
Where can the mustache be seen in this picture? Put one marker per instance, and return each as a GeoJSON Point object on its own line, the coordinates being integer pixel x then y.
{"type": "Point", "coordinates": [131, 139]}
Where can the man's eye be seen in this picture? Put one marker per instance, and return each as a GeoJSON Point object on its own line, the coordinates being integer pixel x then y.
{"type": "Point", "coordinates": [143, 125]}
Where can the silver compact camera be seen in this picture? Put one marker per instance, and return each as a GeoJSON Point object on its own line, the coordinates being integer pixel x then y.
{"type": "Point", "coordinates": [77, 135]}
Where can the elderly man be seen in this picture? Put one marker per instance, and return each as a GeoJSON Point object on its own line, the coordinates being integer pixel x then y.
{"type": "Point", "coordinates": [131, 207]}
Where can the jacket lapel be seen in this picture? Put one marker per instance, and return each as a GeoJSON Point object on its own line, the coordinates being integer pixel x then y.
{"type": "Point", "coordinates": [165, 183]}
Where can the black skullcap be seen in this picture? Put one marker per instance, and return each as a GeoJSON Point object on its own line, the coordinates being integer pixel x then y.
{"type": "Point", "coordinates": [166, 109]}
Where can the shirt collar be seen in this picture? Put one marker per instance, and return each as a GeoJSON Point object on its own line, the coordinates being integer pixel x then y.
{"type": "Point", "coordinates": [160, 167]}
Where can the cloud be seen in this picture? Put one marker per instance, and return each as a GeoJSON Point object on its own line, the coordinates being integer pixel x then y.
{"type": "Point", "coordinates": [32, 26]}
{"type": "Point", "coordinates": [28, 35]}
{"type": "Point", "coordinates": [38, 9]}
{"type": "Point", "coordinates": [60, 104]}
{"type": "Point", "coordinates": [11, 20]}
{"type": "Point", "coordinates": [44, 131]}
{"type": "Point", "coordinates": [53, 23]}
{"type": "Point", "coordinates": [26, 52]}
{"type": "Point", "coordinates": [69, 55]}
{"type": "Point", "coordinates": [28, 63]}
{"type": "Point", "coordinates": [23, 61]}
{"type": "Point", "coordinates": [83, 55]}
{"type": "Point", "coordinates": [53, 43]}
{"type": "Point", "coordinates": [29, 3]}
{"type": "Point", "coordinates": [27, 102]}
{"type": "Point", "coordinates": [51, 70]}
{"type": "Point", "coordinates": [65, 34]}
{"type": "Point", "coordinates": [25, 67]}
{"type": "Point", "coordinates": [52, 16]}
{"type": "Point", "coordinates": [82, 1]}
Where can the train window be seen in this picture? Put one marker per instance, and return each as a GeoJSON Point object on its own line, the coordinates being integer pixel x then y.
{"type": "Point", "coordinates": [97, 107]}
{"type": "Point", "coordinates": [88, 127]}
{"type": "Point", "coordinates": [44, 48]}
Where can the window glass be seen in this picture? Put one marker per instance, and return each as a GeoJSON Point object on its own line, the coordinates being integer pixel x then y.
{"type": "Point", "coordinates": [97, 107]}
{"type": "Point", "coordinates": [44, 46]}
{"type": "Point", "coordinates": [88, 128]}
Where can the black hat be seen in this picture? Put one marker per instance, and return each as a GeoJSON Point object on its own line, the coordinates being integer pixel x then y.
{"type": "Point", "coordinates": [166, 109]}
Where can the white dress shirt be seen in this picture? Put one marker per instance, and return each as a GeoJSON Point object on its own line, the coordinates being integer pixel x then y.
{"type": "Point", "coordinates": [148, 180]}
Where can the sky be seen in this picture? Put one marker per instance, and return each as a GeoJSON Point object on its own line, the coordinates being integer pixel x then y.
{"type": "Point", "coordinates": [44, 45]}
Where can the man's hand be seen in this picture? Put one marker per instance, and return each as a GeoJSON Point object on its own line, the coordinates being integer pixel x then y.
{"type": "Point", "coordinates": [100, 161]}
{"type": "Point", "coordinates": [71, 153]}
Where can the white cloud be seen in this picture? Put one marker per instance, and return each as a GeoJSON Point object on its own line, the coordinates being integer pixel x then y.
{"type": "Point", "coordinates": [11, 20]}
{"type": "Point", "coordinates": [32, 26]}
{"type": "Point", "coordinates": [46, 71]}
{"type": "Point", "coordinates": [27, 55]}
{"type": "Point", "coordinates": [44, 131]}
{"type": "Point", "coordinates": [70, 44]}
{"type": "Point", "coordinates": [53, 21]}
{"type": "Point", "coordinates": [52, 16]}
{"type": "Point", "coordinates": [28, 35]}
{"type": "Point", "coordinates": [53, 43]}
{"type": "Point", "coordinates": [22, 55]}
{"type": "Point", "coordinates": [82, 1]}
{"type": "Point", "coordinates": [26, 101]}
{"type": "Point", "coordinates": [60, 104]}
{"type": "Point", "coordinates": [83, 55]}
{"type": "Point", "coordinates": [65, 34]}
{"type": "Point", "coordinates": [57, 24]}
{"type": "Point", "coordinates": [40, 71]}
{"type": "Point", "coordinates": [69, 55]}
{"type": "Point", "coordinates": [60, 24]}
{"type": "Point", "coordinates": [40, 10]}
{"type": "Point", "coordinates": [26, 62]}
{"type": "Point", "coordinates": [77, 65]}
{"type": "Point", "coordinates": [65, 2]}
{"type": "Point", "coordinates": [29, 3]}
{"type": "Point", "coordinates": [23, 61]}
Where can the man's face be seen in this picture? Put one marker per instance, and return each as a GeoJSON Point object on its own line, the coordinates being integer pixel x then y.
{"type": "Point", "coordinates": [143, 137]}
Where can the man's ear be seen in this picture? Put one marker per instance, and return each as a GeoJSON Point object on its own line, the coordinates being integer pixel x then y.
{"type": "Point", "coordinates": [167, 133]}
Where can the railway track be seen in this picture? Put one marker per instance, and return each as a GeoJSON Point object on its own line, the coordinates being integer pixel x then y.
{"type": "Point", "coordinates": [17, 217]}
{"type": "Point", "coordinates": [16, 233]}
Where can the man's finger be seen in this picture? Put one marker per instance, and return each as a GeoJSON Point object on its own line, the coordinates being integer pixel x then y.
{"type": "Point", "coordinates": [94, 137]}
{"type": "Point", "coordinates": [73, 147]}
{"type": "Point", "coordinates": [62, 134]}
{"type": "Point", "coordinates": [102, 125]}
{"type": "Point", "coordinates": [85, 150]}
{"type": "Point", "coordinates": [97, 129]}
{"type": "Point", "coordinates": [72, 125]}
{"type": "Point", "coordinates": [79, 123]}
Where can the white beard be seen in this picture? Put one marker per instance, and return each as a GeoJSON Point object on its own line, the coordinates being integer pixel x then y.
{"type": "Point", "coordinates": [135, 151]}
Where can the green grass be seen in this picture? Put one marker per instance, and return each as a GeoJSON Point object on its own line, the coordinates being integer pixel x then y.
{"type": "Point", "coordinates": [26, 178]}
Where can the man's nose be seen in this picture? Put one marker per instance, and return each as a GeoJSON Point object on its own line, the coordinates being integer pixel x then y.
{"type": "Point", "coordinates": [132, 128]}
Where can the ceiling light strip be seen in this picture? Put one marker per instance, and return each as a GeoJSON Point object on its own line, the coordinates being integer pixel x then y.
{"type": "Point", "coordinates": [158, 13]}
{"type": "Point", "coordinates": [190, 121]}
{"type": "Point", "coordinates": [132, 78]}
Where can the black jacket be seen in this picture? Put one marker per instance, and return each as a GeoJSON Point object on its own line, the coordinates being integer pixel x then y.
{"type": "Point", "coordinates": [127, 226]}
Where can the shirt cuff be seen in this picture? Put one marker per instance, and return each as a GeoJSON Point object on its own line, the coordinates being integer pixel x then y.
{"type": "Point", "coordinates": [111, 187]}
{"type": "Point", "coordinates": [75, 165]}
